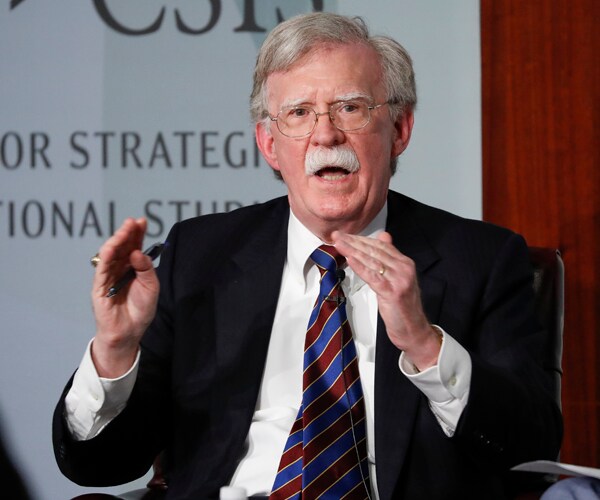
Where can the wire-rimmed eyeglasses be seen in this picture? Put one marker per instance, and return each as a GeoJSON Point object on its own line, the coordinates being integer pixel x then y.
{"type": "Point", "coordinates": [300, 121]}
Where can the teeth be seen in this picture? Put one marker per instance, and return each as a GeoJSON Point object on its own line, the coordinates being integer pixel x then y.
{"type": "Point", "coordinates": [333, 177]}
{"type": "Point", "coordinates": [332, 173]}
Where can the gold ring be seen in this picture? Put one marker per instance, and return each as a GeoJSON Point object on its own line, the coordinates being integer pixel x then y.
{"type": "Point", "coordinates": [94, 260]}
{"type": "Point", "coordinates": [382, 270]}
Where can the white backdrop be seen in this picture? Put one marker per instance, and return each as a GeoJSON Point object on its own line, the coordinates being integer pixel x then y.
{"type": "Point", "coordinates": [97, 124]}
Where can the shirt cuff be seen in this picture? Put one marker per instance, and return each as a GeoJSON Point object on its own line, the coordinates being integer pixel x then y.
{"type": "Point", "coordinates": [93, 401]}
{"type": "Point", "coordinates": [445, 384]}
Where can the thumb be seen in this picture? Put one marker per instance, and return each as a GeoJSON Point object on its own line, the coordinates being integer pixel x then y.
{"type": "Point", "coordinates": [143, 267]}
{"type": "Point", "coordinates": [385, 237]}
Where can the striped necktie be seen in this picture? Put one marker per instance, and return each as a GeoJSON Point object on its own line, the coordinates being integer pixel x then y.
{"type": "Point", "coordinates": [326, 452]}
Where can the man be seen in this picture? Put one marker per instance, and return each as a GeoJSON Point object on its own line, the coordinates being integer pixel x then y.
{"type": "Point", "coordinates": [211, 369]}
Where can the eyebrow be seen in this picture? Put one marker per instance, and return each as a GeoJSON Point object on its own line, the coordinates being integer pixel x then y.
{"type": "Point", "coordinates": [352, 96]}
{"type": "Point", "coordinates": [290, 103]}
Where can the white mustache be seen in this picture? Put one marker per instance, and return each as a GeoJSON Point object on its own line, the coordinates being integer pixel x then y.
{"type": "Point", "coordinates": [321, 157]}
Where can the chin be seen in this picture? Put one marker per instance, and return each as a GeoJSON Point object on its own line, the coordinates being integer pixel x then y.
{"type": "Point", "coordinates": [335, 213]}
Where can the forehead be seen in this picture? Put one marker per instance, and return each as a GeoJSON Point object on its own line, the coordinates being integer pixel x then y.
{"type": "Point", "coordinates": [327, 74]}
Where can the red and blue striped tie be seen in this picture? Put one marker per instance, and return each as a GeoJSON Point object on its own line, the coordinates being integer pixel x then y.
{"type": "Point", "coordinates": [326, 452]}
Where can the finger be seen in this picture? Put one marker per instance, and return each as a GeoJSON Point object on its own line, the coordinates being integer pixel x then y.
{"type": "Point", "coordinates": [126, 239]}
{"type": "Point", "coordinates": [362, 262]}
{"type": "Point", "coordinates": [385, 237]}
{"type": "Point", "coordinates": [373, 253]}
{"type": "Point", "coordinates": [138, 277]}
{"type": "Point", "coordinates": [359, 254]}
{"type": "Point", "coordinates": [115, 253]}
{"type": "Point", "coordinates": [365, 244]}
{"type": "Point", "coordinates": [140, 261]}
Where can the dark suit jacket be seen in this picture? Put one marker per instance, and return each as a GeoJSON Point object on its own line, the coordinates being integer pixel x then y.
{"type": "Point", "coordinates": [203, 358]}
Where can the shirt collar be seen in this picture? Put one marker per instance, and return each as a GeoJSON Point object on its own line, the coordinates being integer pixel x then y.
{"type": "Point", "coordinates": [301, 243]}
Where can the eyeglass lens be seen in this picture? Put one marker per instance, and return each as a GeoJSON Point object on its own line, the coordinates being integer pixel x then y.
{"type": "Point", "coordinates": [297, 121]}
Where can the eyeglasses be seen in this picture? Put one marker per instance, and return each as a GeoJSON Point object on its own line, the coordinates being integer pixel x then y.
{"type": "Point", "coordinates": [300, 121]}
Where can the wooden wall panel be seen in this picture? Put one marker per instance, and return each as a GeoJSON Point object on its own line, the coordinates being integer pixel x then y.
{"type": "Point", "coordinates": [541, 171]}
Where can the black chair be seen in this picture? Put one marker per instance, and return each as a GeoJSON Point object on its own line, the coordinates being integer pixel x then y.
{"type": "Point", "coordinates": [548, 284]}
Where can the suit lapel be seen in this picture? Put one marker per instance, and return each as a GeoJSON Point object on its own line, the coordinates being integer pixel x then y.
{"type": "Point", "coordinates": [245, 302]}
{"type": "Point", "coordinates": [396, 398]}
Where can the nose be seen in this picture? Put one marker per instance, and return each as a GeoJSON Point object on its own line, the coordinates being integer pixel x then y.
{"type": "Point", "coordinates": [325, 132]}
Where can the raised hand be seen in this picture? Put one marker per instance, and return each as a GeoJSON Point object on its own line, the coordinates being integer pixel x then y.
{"type": "Point", "coordinates": [392, 276]}
{"type": "Point", "coordinates": [122, 319]}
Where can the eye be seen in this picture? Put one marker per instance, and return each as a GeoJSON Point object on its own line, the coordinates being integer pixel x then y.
{"type": "Point", "coordinates": [297, 113]}
{"type": "Point", "coordinates": [349, 107]}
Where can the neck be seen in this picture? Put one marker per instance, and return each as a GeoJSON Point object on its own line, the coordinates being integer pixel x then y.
{"type": "Point", "coordinates": [323, 229]}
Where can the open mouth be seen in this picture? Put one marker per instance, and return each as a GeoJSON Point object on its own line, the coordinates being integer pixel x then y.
{"type": "Point", "coordinates": [332, 173]}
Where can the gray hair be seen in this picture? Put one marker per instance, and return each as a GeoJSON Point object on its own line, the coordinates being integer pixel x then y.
{"type": "Point", "coordinates": [296, 37]}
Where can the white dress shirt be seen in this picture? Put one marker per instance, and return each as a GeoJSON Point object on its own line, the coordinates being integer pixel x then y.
{"type": "Point", "coordinates": [93, 402]}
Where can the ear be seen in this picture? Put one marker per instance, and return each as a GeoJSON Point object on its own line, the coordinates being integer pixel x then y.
{"type": "Point", "coordinates": [266, 145]}
{"type": "Point", "coordinates": [404, 124]}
